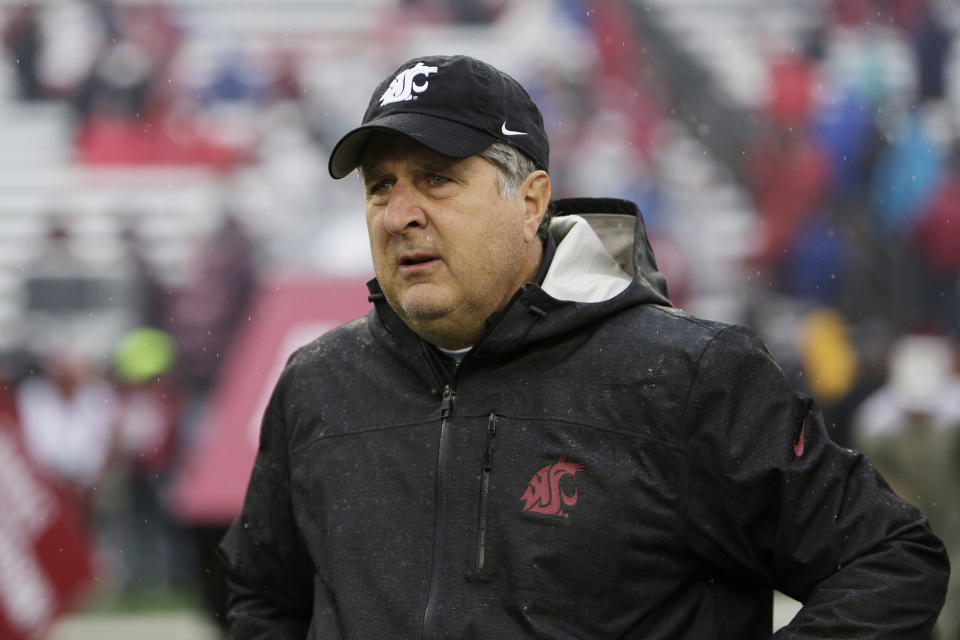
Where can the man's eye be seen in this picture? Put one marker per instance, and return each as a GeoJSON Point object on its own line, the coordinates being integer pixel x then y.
{"type": "Point", "coordinates": [379, 187]}
{"type": "Point", "coordinates": [437, 181]}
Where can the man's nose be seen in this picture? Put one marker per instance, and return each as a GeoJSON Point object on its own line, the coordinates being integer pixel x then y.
{"type": "Point", "coordinates": [404, 209]}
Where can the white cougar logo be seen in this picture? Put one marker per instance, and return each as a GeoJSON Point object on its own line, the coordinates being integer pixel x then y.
{"type": "Point", "coordinates": [403, 87]}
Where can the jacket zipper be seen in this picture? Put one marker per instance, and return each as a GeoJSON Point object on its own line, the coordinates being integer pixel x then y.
{"type": "Point", "coordinates": [484, 491]}
{"type": "Point", "coordinates": [436, 572]}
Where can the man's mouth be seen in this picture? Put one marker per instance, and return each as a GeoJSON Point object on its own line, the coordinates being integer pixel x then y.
{"type": "Point", "coordinates": [414, 260]}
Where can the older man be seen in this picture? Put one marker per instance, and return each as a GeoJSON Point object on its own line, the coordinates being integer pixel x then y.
{"type": "Point", "coordinates": [524, 439]}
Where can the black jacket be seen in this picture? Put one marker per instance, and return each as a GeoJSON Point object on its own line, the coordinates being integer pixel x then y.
{"type": "Point", "coordinates": [610, 468]}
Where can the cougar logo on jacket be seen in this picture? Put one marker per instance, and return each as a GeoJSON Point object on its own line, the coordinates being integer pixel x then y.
{"type": "Point", "coordinates": [543, 494]}
{"type": "Point", "coordinates": [403, 86]}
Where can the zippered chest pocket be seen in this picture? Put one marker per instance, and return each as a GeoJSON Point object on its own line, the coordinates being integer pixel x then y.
{"type": "Point", "coordinates": [487, 467]}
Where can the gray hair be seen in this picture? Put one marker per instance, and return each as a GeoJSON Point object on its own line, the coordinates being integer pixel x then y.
{"type": "Point", "coordinates": [514, 166]}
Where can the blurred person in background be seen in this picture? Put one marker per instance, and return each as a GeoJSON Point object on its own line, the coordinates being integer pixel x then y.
{"type": "Point", "coordinates": [69, 417]}
{"type": "Point", "coordinates": [203, 317]}
{"type": "Point", "coordinates": [524, 438]}
{"type": "Point", "coordinates": [45, 560]}
{"type": "Point", "coordinates": [71, 35]}
{"type": "Point", "coordinates": [151, 399]}
{"type": "Point", "coordinates": [910, 429]}
{"type": "Point", "coordinates": [841, 364]}
{"type": "Point", "coordinates": [22, 38]}
{"type": "Point", "coordinates": [205, 312]}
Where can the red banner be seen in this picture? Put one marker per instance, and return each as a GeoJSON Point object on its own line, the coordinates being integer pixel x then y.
{"type": "Point", "coordinates": [287, 313]}
{"type": "Point", "coordinates": [45, 557]}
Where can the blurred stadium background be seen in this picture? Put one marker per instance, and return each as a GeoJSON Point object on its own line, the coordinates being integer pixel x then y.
{"type": "Point", "coordinates": [168, 234]}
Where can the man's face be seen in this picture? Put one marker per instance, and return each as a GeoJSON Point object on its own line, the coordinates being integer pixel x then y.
{"type": "Point", "coordinates": [447, 249]}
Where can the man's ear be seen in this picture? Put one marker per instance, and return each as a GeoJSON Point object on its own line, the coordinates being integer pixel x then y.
{"type": "Point", "coordinates": [536, 198]}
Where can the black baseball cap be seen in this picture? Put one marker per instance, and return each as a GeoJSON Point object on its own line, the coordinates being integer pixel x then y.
{"type": "Point", "coordinates": [456, 106]}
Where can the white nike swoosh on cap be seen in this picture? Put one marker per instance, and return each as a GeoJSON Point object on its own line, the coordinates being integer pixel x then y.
{"type": "Point", "coordinates": [507, 132]}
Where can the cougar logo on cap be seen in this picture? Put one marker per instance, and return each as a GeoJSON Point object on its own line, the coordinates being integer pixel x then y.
{"type": "Point", "coordinates": [403, 86]}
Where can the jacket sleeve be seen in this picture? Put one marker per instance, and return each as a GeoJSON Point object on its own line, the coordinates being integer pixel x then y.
{"type": "Point", "coordinates": [269, 573]}
{"type": "Point", "coordinates": [785, 506]}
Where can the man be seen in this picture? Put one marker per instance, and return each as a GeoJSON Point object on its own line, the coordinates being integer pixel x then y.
{"type": "Point", "coordinates": [910, 428]}
{"type": "Point", "coordinates": [523, 439]}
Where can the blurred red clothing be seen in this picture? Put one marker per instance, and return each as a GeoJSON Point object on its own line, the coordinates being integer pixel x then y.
{"type": "Point", "coordinates": [791, 94]}
{"type": "Point", "coordinates": [938, 232]}
{"type": "Point", "coordinates": [789, 175]}
{"type": "Point", "coordinates": [106, 140]}
{"type": "Point", "coordinates": [45, 560]}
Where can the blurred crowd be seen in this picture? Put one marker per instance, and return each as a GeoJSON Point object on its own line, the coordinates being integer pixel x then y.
{"type": "Point", "coordinates": [853, 172]}
{"type": "Point", "coordinates": [112, 429]}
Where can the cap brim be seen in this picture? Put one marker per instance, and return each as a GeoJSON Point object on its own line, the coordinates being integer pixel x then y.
{"type": "Point", "coordinates": [443, 136]}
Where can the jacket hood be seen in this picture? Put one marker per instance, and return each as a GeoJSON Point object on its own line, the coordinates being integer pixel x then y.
{"type": "Point", "coordinates": [604, 264]}
{"type": "Point", "coordinates": [618, 225]}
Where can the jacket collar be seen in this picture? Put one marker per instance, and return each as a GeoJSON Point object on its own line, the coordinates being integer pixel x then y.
{"type": "Point", "coordinates": [603, 264]}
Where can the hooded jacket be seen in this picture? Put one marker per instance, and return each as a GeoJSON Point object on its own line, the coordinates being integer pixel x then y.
{"type": "Point", "coordinates": [599, 465]}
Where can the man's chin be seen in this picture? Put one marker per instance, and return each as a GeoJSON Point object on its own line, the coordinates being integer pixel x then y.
{"type": "Point", "coordinates": [422, 301]}
{"type": "Point", "coordinates": [422, 311]}
{"type": "Point", "coordinates": [418, 301]}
